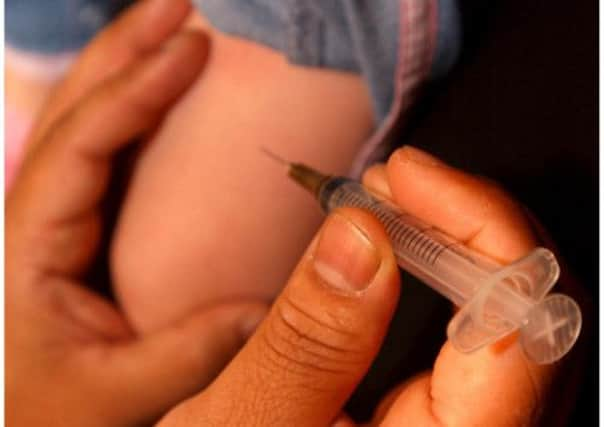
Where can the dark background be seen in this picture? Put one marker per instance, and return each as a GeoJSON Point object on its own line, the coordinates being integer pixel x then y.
{"type": "Point", "coordinates": [521, 108]}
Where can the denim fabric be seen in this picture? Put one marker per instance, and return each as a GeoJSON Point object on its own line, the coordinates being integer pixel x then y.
{"type": "Point", "coordinates": [360, 36]}
{"type": "Point", "coordinates": [56, 26]}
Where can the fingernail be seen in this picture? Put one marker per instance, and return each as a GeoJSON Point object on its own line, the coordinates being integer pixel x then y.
{"type": "Point", "coordinates": [345, 258]}
{"type": "Point", "coordinates": [415, 155]}
{"type": "Point", "coordinates": [250, 323]}
{"type": "Point", "coordinates": [376, 179]}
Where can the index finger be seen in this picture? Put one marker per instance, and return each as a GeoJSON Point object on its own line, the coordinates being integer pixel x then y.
{"type": "Point", "coordinates": [470, 209]}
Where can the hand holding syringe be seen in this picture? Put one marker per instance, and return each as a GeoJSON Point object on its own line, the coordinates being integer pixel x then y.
{"type": "Point", "coordinates": [494, 300]}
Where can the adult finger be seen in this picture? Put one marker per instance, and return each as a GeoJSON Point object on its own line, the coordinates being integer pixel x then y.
{"type": "Point", "coordinates": [156, 372]}
{"type": "Point", "coordinates": [138, 31]}
{"type": "Point", "coordinates": [376, 179]}
{"type": "Point", "coordinates": [319, 338]}
{"type": "Point", "coordinates": [470, 209]}
{"type": "Point", "coordinates": [498, 382]}
{"type": "Point", "coordinates": [65, 178]}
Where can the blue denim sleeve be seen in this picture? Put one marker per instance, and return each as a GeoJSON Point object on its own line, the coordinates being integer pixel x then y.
{"type": "Point", "coordinates": [357, 36]}
{"type": "Point", "coordinates": [57, 26]}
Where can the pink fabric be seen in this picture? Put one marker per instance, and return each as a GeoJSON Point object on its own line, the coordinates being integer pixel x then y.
{"type": "Point", "coordinates": [17, 126]}
{"type": "Point", "coordinates": [40, 67]}
{"type": "Point", "coordinates": [417, 42]}
{"type": "Point", "coordinates": [33, 66]}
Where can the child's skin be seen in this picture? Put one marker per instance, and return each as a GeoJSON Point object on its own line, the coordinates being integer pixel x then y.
{"type": "Point", "coordinates": [202, 177]}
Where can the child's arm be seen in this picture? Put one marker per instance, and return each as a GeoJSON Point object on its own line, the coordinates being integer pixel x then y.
{"type": "Point", "coordinates": [207, 216]}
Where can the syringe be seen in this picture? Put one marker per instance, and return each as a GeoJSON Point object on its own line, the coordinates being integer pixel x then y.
{"type": "Point", "coordinates": [494, 300]}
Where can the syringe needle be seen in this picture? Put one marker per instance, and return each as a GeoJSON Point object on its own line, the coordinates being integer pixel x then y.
{"type": "Point", "coordinates": [305, 176]}
{"type": "Point", "coordinates": [274, 156]}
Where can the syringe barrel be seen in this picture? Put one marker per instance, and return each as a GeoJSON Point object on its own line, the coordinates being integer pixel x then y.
{"type": "Point", "coordinates": [494, 299]}
{"type": "Point", "coordinates": [423, 251]}
{"type": "Point", "coordinates": [444, 264]}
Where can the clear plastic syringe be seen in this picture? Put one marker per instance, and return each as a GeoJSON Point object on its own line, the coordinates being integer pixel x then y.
{"type": "Point", "coordinates": [495, 300]}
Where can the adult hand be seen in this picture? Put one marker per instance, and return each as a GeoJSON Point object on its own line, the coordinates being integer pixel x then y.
{"type": "Point", "coordinates": [321, 335]}
{"type": "Point", "coordinates": [71, 357]}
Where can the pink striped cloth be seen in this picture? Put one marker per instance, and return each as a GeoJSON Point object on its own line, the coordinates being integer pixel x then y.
{"type": "Point", "coordinates": [16, 128]}
{"type": "Point", "coordinates": [417, 42]}
{"type": "Point", "coordinates": [38, 67]}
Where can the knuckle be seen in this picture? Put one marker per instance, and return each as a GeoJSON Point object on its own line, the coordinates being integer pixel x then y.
{"type": "Point", "coordinates": [140, 103]}
{"type": "Point", "coordinates": [301, 342]}
{"type": "Point", "coordinates": [128, 91]}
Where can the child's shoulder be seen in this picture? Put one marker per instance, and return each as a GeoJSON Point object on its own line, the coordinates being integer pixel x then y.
{"type": "Point", "coordinates": [375, 38]}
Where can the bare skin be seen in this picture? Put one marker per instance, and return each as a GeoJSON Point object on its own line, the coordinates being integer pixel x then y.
{"type": "Point", "coordinates": [73, 359]}
{"type": "Point", "coordinates": [206, 207]}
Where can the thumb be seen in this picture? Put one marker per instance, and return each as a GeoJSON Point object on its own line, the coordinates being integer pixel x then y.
{"type": "Point", "coordinates": [319, 338]}
{"type": "Point", "coordinates": [158, 371]}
